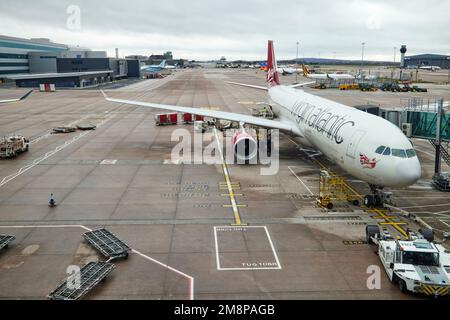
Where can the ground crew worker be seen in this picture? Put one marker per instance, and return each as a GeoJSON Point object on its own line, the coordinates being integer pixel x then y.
{"type": "Point", "coordinates": [51, 201]}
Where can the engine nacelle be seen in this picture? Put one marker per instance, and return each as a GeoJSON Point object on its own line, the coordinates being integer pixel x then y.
{"type": "Point", "coordinates": [245, 146]}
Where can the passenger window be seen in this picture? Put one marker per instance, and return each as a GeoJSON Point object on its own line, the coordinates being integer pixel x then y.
{"type": "Point", "coordinates": [380, 150]}
{"type": "Point", "coordinates": [411, 153]}
{"type": "Point", "coordinates": [387, 152]}
{"type": "Point", "coordinates": [399, 153]}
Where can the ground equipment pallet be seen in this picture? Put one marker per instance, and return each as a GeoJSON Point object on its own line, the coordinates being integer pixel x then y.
{"type": "Point", "coordinates": [5, 240]}
{"type": "Point", "coordinates": [90, 276]}
{"type": "Point", "coordinates": [107, 243]}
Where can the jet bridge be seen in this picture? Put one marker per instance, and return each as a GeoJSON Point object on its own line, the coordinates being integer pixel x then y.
{"type": "Point", "coordinates": [432, 122]}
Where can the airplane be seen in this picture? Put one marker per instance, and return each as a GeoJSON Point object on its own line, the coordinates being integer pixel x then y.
{"type": "Point", "coordinates": [323, 76]}
{"type": "Point", "coordinates": [287, 70]}
{"type": "Point", "coordinates": [156, 67]}
{"type": "Point", "coordinates": [284, 70]}
{"type": "Point", "coordinates": [366, 146]}
{"type": "Point", "coordinates": [263, 66]}
{"type": "Point", "coordinates": [431, 68]}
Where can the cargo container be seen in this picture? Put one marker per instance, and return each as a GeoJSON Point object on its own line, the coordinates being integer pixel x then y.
{"type": "Point", "coordinates": [166, 119]}
{"type": "Point", "coordinates": [188, 118]}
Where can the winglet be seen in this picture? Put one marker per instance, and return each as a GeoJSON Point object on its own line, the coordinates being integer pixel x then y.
{"type": "Point", "coordinates": [302, 84]}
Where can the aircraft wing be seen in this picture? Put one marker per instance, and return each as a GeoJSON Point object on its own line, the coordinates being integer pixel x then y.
{"type": "Point", "coordinates": [261, 122]}
{"type": "Point", "coordinates": [249, 85]}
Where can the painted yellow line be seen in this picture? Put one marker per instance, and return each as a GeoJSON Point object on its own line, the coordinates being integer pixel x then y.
{"type": "Point", "coordinates": [229, 184]}
{"type": "Point", "coordinates": [236, 194]}
{"type": "Point", "coordinates": [380, 212]}
{"type": "Point", "coordinates": [392, 223]}
{"type": "Point", "coordinates": [238, 206]}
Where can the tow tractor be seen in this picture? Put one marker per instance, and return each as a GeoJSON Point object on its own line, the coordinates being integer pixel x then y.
{"type": "Point", "coordinates": [418, 265]}
{"type": "Point", "coordinates": [11, 146]}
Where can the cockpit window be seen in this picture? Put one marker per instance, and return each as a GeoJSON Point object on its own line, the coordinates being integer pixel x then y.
{"type": "Point", "coordinates": [387, 152]}
{"type": "Point", "coordinates": [411, 153]}
{"type": "Point", "coordinates": [380, 150]}
{"type": "Point", "coordinates": [399, 153]}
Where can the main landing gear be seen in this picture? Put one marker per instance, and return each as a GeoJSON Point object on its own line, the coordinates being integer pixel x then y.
{"type": "Point", "coordinates": [378, 198]}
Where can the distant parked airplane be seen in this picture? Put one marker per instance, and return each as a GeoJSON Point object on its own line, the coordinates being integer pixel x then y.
{"type": "Point", "coordinates": [323, 76]}
{"type": "Point", "coordinates": [157, 67]}
{"type": "Point", "coordinates": [430, 68]}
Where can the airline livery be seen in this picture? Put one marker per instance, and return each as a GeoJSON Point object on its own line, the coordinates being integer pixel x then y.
{"type": "Point", "coordinates": [366, 146]}
{"type": "Point", "coordinates": [323, 76]}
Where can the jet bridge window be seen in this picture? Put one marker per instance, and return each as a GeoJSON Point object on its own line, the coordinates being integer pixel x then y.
{"type": "Point", "coordinates": [399, 153]}
{"type": "Point", "coordinates": [380, 149]}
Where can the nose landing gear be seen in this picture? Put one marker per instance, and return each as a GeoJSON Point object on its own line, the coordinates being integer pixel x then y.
{"type": "Point", "coordinates": [378, 198]}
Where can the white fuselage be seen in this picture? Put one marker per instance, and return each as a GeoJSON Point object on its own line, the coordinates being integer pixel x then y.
{"type": "Point", "coordinates": [349, 137]}
{"type": "Point", "coordinates": [331, 76]}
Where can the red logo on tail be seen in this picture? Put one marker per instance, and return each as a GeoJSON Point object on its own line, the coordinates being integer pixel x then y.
{"type": "Point", "coordinates": [273, 78]}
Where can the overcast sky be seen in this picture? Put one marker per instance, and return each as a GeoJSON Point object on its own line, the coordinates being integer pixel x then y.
{"type": "Point", "coordinates": [237, 29]}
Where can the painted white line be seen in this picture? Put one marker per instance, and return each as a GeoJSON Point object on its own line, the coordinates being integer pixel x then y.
{"type": "Point", "coordinates": [448, 225]}
{"type": "Point", "coordinates": [190, 278]}
{"type": "Point", "coordinates": [48, 134]}
{"type": "Point", "coordinates": [309, 190]}
{"type": "Point", "coordinates": [429, 205]}
{"type": "Point", "coordinates": [48, 226]}
{"type": "Point", "coordinates": [217, 249]}
{"type": "Point", "coordinates": [441, 213]}
{"type": "Point", "coordinates": [220, 268]}
{"type": "Point", "coordinates": [298, 145]}
{"type": "Point", "coordinates": [234, 206]}
{"type": "Point", "coordinates": [273, 248]}
{"type": "Point", "coordinates": [37, 161]}
{"type": "Point", "coordinates": [108, 162]}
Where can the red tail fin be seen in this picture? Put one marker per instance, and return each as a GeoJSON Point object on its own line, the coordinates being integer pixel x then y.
{"type": "Point", "coordinates": [273, 78]}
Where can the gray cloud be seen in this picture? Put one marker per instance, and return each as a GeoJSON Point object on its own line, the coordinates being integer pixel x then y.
{"type": "Point", "coordinates": [206, 29]}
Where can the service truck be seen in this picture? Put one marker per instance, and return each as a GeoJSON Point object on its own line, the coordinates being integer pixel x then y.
{"type": "Point", "coordinates": [418, 265]}
{"type": "Point", "coordinates": [11, 146]}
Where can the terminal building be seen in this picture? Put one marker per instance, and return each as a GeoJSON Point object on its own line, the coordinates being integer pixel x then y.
{"type": "Point", "coordinates": [14, 53]}
{"type": "Point", "coordinates": [420, 60]}
{"type": "Point", "coordinates": [30, 63]}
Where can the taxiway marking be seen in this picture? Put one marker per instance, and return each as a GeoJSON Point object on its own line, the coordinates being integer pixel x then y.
{"type": "Point", "coordinates": [428, 205]}
{"type": "Point", "coordinates": [49, 154]}
{"type": "Point", "coordinates": [190, 278]}
{"type": "Point", "coordinates": [243, 228]}
{"type": "Point", "coordinates": [232, 195]}
{"type": "Point", "coordinates": [309, 190]}
{"type": "Point", "coordinates": [448, 225]}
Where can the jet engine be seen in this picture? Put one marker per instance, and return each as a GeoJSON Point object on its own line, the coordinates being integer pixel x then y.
{"type": "Point", "coordinates": [245, 146]}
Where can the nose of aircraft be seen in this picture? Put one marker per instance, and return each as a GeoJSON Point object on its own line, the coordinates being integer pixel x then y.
{"type": "Point", "coordinates": [409, 171]}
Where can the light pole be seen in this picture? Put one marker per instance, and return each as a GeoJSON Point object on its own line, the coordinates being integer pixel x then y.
{"type": "Point", "coordinates": [362, 57]}
{"type": "Point", "coordinates": [395, 54]}
{"type": "Point", "coordinates": [296, 63]}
